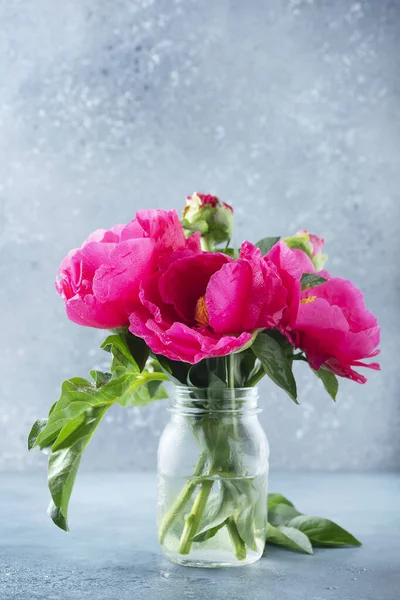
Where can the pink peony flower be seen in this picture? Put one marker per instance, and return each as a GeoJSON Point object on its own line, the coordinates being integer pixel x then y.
{"type": "Point", "coordinates": [206, 305]}
{"type": "Point", "coordinates": [291, 264]}
{"type": "Point", "coordinates": [335, 330]}
{"type": "Point", "coordinates": [99, 282]}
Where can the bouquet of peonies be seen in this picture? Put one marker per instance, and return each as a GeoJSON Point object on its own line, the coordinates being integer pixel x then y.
{"type": "Point", "coordinates": [183, 305]}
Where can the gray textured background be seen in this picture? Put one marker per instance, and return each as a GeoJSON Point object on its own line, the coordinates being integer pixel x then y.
{"type": "Point", "coordinates": [287, 109]}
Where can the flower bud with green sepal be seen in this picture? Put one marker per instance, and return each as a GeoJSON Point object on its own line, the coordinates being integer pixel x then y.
{"type": "Point", "coordinates": [309, 243]}
{"type": "Point", "coordinates": [210, 216]}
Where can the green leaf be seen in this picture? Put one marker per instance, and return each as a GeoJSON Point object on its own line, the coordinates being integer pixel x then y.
{"type": "Point", "coordinates": [275, 363]}
{"type": "Point", "coordinates": [245, 525]}
{"type": "Point", "coordinates": [323, 532]}
{"type": "Point", "coordinates": [143, 389]}
{"type": "Point", "coordinates": [37, 428]}
{"type": "Point", "coordinates": [130, 353]}
{"type": "Point", "coordinates": [266, 244]}
{"type": "Point", "coordinates": [77, 396]}
{"type": "Point", "coordinates": [288, 537]}
{"type": "Point", "coordinates": [74, 417]}
{"type": "Point", "coordinates": [100, 378]}
{"type": "Point", "coordinates": [246, 500]}
{"type": "Point", "coordinates": [64, 463]}
{"type": "Point", "coordinates": [116, 344]}
{"type": "Point", "coordinates": [245, 366]}
{"type": "Point", "coordinates": [310, 280]}
{"type": "Point", "coordinates": [281, 514]}
{"type": "Point", "coordinates": [282, 340]}
{"type": "Point", "coordinates": [208, 374]}
{"type": "Point", "coordinates": [208, 532]}
{"type": "Point", "coordinates": [218, 509]}
{"type": "Point", "coordinates": [274, 499]}
{"type": "Point", "coordinates": [329, 380]}
{"type": "Point", "coordinates": [138, 349]}
{"type": "Point", "coordinates": [177, 371]}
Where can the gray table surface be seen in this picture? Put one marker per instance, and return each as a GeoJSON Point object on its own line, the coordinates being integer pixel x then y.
{"type": "Point", "coordinates": [112, 551]}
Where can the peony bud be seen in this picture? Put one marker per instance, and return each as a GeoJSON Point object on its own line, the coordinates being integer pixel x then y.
{"type": "Point", "coordinates": [309, 243]}
{"type": "Point", "coordinates": [210, 216]}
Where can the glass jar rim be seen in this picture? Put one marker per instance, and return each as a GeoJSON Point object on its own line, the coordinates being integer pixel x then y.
{"type": "Point", "coordinates": [193, 400]}
{"type": "Point", "coordinates": [250, 389]}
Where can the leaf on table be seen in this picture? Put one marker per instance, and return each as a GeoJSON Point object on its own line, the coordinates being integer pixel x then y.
{"type": "Point", "coordinates": [323, 532]}
{"type": "Point", "coordinates": [288, 537]}
{"type": "Point", "coordinates": [329, 380]}
{"type": "Point", "coordinates": [277, 499]}
{"type": "Point", "coordinates": [265, 244]}
{"type": "Point", "coordinates": [281, 514]}
{"type": "Point", "coordinates": [275, 362]}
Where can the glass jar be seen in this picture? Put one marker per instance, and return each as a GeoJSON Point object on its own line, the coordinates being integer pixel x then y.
{"type": "Point", "coordinates": [212, 478]}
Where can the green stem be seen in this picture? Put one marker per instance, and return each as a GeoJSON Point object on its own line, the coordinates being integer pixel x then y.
{"type": "Point", "coordinates": [256, 378]}
{"type": "Point", "coordinates": [238, 543]}
{"type": "Point", "coordinates": [231, 371]}
{"type": "Point", "coordinates": [192, 521]}
{"type": "Point", "coordinates": [181, 500]}
{"type": "Point", "coordinates": [231, 384]}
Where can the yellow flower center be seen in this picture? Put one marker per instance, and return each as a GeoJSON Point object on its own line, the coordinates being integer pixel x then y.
{"type": "Point", "coordinates": [201, 314]}
{"type": "Point", "coordinates": [308, 300]}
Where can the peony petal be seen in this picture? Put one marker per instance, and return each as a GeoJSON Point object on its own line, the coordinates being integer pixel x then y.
{"type": "Point", "coordinates": [186, 279]}
{"type": "Point", "coordinates": [295, 262]}
{"type": "Point", "coordinates": [181, 342]}
{"type": "Point", "coordinates": [246, 294]}
{"type": "Point", "coordinates": [91, 257]}
{"type": "Point", "coordinates": [343, 293]}
{"type": "Point", "coordinates": [335, 329]}
{"type": "Point", "coordinates": [319, 316]}
{"type": "Point", "coordinates": [344, 370]}
{"type": "Point", "coordinates": [227, 299]}
{"type": "Point", "coordinates": [130, 261]}
{"type": "Point", "coordinates": [194, 242]}
{"type": "Point", "coordinates": [361, 344]}
{"type": "Point", "coordinates": [132, 231]}
{"type": "Point", "coordinates": [164, 227]}
{"type": "Point", "coordinates": [90, 312]}
{"type": "Point", "coordinates": [150, 297]}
